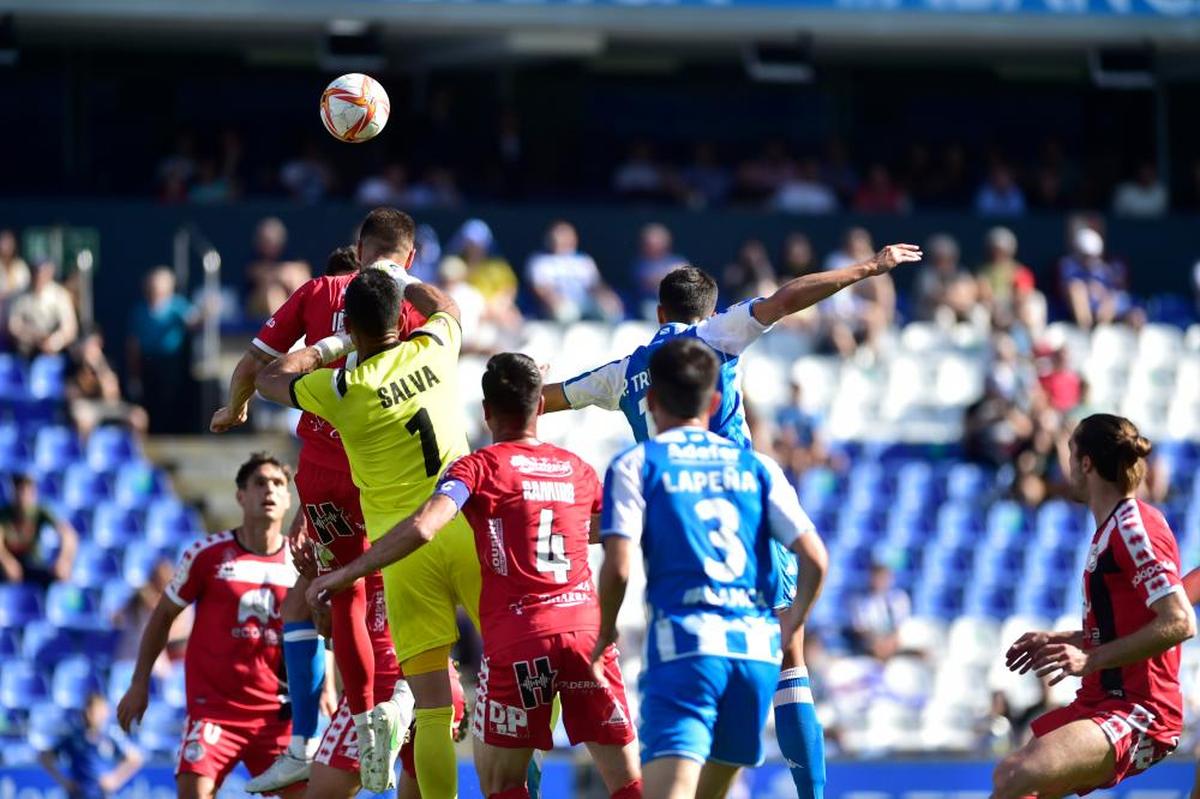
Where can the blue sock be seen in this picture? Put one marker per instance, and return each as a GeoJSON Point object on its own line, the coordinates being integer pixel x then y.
{"type": "Point", "coordinates": [801, 739]}
{"type": "Point", "coordinates": [304, 656]}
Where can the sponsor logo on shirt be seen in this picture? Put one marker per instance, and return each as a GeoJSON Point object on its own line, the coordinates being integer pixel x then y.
{"type": "Point", "coordinates": [541, 467]}
{"type": "Point", "coordinates": [1154, 569]}
{"type": "Point", "coordinates": [702, 453]}
{"type": "Point", "coordinates": [497, 558]}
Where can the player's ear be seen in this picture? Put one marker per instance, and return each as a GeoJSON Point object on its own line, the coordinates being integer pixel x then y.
{"type": "Point", "coordinates": [662, 316]}
{"type": "Point", "coordinates": [412, 256]}
{"type": "Point", "coordinates": [487, 411]}
{"type": "Point", "coordinates": [358, 253]}
{"type": "Point", "coordinates": [714, 403]}
{"type": "Point", "coordinates": [651, 397]}
{"type": "Point", "coordinates": [541, 409]}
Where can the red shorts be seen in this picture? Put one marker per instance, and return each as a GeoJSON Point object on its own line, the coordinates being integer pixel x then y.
{"type": "Point", "coordinates": [331, 505]}
{"type": "Point", "coordinates": [517, 684]}
{"type": "Point", "coordinates": [213, 748]}
{"type": "Point", "coordinates": [339, 745]}
{"type": "Point", "coordinates": [1138, 736]}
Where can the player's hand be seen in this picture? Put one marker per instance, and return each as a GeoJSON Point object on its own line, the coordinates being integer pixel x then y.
{"type": "Point", "coordinates": [227, 418]}
{"type": "Point", "coordinates": [893, 255]}
{"type": "Point", "coordinates": [304, 559]}
{"type": "Point", "coordinates": [599, 651]}
{"type": "Point", "coordinates": [133, 705]}
{"type": "Point", "coordinates": [108, 783]}
{"type": "Point", "coordinates": [329, 700]}
{"type": "Point", "coordinates": [321, 589]}
{"type": "Point", "coordinates": [1062, 661]}
{"type": "Point", "coordinates": [1020, 655]}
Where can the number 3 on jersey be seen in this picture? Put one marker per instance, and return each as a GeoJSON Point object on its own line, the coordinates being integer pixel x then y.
{"type": "Point", "coordinates": [724, 539]}
{"type": "Point", "coordinates": [551, 549]}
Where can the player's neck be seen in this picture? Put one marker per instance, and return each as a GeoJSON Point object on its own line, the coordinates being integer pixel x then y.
{"type": "Point", "coordinates": [262, 537]}
{"type": "Point", "coordinates": [520, 433]}
{"type": "Point", "coordinates": [378, 346]}
{"type": "Point", "coordinates": [671, 423]}
{"type": "Point", "coordinates": [1103, 500]}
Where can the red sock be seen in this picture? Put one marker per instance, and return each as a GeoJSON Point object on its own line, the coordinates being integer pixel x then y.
{"type": "Point", "coordinates": [352, 647]}
{"type": "Point", "coordinates": [631, 791]}
{"type": "Point", "coordinates": [520, 792]}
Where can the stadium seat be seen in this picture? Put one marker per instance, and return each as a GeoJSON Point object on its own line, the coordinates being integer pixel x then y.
{"type": "Point", "coordinates": [94, 567]}
{"type": "Point", "coordinates": [21, 684]}
{"type": "Point", "coordinates": [109, 447]}
{"type": "Point", "coordinates": [137, 483]}
{"type": "Point", "coordinates": [119, 676]}
{"type": "Point", "coordinates": [1006, 522]}
{"type": "Point", "coordinates": [54, 448]}
{"type": "Point", "coordinates": [69, 605]}
{"type": "Point", "coordinates": [44, 644]}
{"type": "Point", "coordinates": [19, 604]}
{"type": "Point", "coordinates": [114, 527]}
{"type": "Point", "coordinates": [14, 455]}
{"type": "Point", "coordinates": [83, 487]}
{"type": "Point", "coordinates": [967, 481]}
{"type": "Point", "coordinates": [46, 377]}
{"type": "Point", "coordinates": [139, 563]}
{"type": "Point", "coordinates": [74, 678]}
{"type": "Point", "coordinates": [174, 688]}
{"type": "Point", "coordinates": [818, 488]}
{"type": "Point", "coordinates": [116, 595]}
{"type": "Point", "coordinates": [161, 729]}
{"type": "Point", "coordinates": [47, 722]}
{"type": "Point", "coordinates": [10, 643]}
{"type": "Point", "coordinates": [12, 377]}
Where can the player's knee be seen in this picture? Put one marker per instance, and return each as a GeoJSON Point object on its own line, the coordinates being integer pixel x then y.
{"type": "Point", "coordinates": [295, 606]}
{"type": "Point", "coordinates": [1012, 778]}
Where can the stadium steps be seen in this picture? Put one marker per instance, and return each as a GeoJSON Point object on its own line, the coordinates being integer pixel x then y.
{"type": "Point", "coordinates": [202, 468]}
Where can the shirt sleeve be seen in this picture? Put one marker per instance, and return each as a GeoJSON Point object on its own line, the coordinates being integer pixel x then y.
{"type": "Point", "coordinates": [188, 583]}
{"type": "Point", "coordinates": [786, 520]}
{"type": "Point", "coordinates": [445, 331]}
{"type": "Point", "coordinates": [732, 330]}
{"type": "Point", "coordinates": [320, 392]}
{"type": "Point", "coordinates": [285, 327]}
{"type": "Point", "coordinates": [410, 319]}
{"type": "Point", "coordinates": [597, 490]}
{"type": "Point", "coordinates": [1147, 555]}
{"type": "Point", "coordinates": [603, 387]}
{"type": "Point", "coordinates": [624, 502]}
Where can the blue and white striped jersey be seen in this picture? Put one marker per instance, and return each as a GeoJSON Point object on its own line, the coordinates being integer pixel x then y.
{"type": "Point", "coordinates": [705, 511]}
{"type": "Point", "coordinates": [622, 384]}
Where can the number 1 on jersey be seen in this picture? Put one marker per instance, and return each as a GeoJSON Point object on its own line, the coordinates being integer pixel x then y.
{"type": "Point", "coordinates": [551, 549]}
{"type": "Point", "coordinates": [420, 425]}
{"type": "Point", "coordinates": [647, 419]}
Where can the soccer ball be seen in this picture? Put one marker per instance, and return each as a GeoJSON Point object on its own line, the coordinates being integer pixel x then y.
{"type": "Point", "coordinates": [355, 108]}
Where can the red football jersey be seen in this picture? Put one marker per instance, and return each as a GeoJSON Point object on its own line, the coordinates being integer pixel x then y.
{"type": "Point", "coordinates": [531, 508]}
{"type": "Point", "coordinates": [234, 662]}
{"type": "Point", "coordinates": [1133, 563]}
{"type": "Point", "coordinates": [313, 312]}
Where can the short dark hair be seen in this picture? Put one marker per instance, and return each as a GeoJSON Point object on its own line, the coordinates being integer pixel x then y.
{"type": "Point", "coordinates": [512, 385]}
{"type": "Point", "coordinates": [389, 229]}
{"type": "Point", "coordinates": [683, 374]}
{"type": "Point", "coordinates": [23, 479]}
{"type": "Point", "coordinates": [372, 303]}
{"type": "Point", "coordinates": [1116, 448]}
{"type": "Point", "coordinates": [687, 293]}
{"type": "Point", "coordinates": [255, 462]}
{"type": "Point", "coordinates": [342, 261]}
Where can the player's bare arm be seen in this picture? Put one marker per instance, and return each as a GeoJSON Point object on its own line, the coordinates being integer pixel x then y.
{"type": "Point", "coordinates": [1173, 623]}
{"type": "Point", "coordinates": [814, 563]}
{"type": "Point", "coordinates": [1020, 655]}
{"type": "Point", "coordinates": [275, 380]}
{"type": "Point", "coordinates": [807, 290]}
{"type": "Point", "coordinates": [611, 584]}
{"type": "Point", "coordinates": [398, 543]}
{"type": "Point", "coordinates": [428, 300]}
{"type": "Point", "coordinates": [1191, 585]}
{"type": "Point", "coordinates": [241, 390]}
{"type": "Point", "coordinates": [154, 641]}
{"type": "Point", "coordinates": [555, 398]}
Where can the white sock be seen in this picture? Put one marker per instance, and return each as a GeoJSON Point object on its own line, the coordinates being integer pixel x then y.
{"type": "Point", "coordinates": [362, 720]}
{"type": "Point", "coordinates": [304, 748]}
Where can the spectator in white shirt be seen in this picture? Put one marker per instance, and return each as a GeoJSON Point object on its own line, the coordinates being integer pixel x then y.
{"type": "Point", "coordinates": [876, 616]}
{"type": "Point", "coordinates": [567, 282]}
{"type": "Point", "coordinates": [1144, 196]}
{"type": "Point", "coordinates": [42, 320]}
{"type": "Point", "coordinates": [804, 193]}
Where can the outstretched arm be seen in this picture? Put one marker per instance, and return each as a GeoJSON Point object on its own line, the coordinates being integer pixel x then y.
{"type": "Point", "coordinates": [428, 299]}
{"type": "Point", "coordinates": [241, 390]}
{"type": "Point", "coordinates": [555, 397]}
{"type": "Point", "coordinates": [274, 381]}
{"type": "Point", "coordinates": [807, 290]}
{"type": "Point", "coordinates": [401, 541]}
{"type": "Point", "coordinates": [1191, 585]}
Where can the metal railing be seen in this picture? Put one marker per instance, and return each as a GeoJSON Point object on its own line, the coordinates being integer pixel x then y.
{"type": "Point", "coordinates": [190, 241]}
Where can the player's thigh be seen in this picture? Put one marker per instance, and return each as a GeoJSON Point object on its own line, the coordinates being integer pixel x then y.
{"type": "Point", "coordinates": [742, 713]}
{"type": "Point", "coordinates": [1075, 756]}
{"type": "Point", "coordinates": [670, 778]}
{"type": "Point", "coordinates": [295, 606]}
{"type": "Point", "coordinates": [678, 712]}
{"type": "Point", "coordinates": [327, 782]}
{"type": "Point", "coordinates": [716, 779]}
{"type": "Point", "coordinates": [195, 786]}
{"type": "Point", "coordinates": [500, 768]}
{"type": "Point", "coordinates": [420, 604]}
{"type": "Point", "coordinates": [618, 765]}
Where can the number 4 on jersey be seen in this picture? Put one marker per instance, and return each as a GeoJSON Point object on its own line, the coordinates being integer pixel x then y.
{"type": "Point", "coordinates": [551, 549]}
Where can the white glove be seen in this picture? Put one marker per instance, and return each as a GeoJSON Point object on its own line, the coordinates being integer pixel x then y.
{"type": "Point", "coordinates": [402, 276]}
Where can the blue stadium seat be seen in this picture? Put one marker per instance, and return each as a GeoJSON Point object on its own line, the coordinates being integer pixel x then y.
{"type": "Point", "coordinates": [19, 604]}
{"type": "Point", "coordinates": [136, 484]}
{"type": "Point", "coordinates": [939, 600]}
{"type": "Point", "coordinates": [74, 678]}
{"type": "Point", "coordinates": [109, 447]}
{"type": "Point", "coordinates": [958, 524]}
{"type": "Point", "coordinates": [21, 684]}
{"type": "Point", "coordinates": [174, 688]}
{"type": "Point", "coordinates": [114, 527]}
{"type": "Point", "coordinates": [44, 644]}
{"type": "Point", "coordinates": [139, 563]}
{"type": "Point", "coordinates": [170, 523]}
{"type": "Point", "coordinates": [94, 566]}
{"type": "Point", "coordinates": [996, 602]}
{"type": "Point", "coordinates": [856, 527]}
{"type": "Point", "coordinates": [49, 485]}
{"type": "Point", "coordinates": [69, 605]}
{"type": "Point", "coordinates": [16, 752]}
{"type": "Point", "coordinates": [54, 448]}
{"type": "Point", "coordinates": [162, 729]}
{"type": "Point", "coordinates": [12, 377]}
{"type": "Point", "coordinates": [1005, 524]}
{"type": "Point", "coordinates": [817, 489]}
{"type": "Point", "coordinates": [47, 723]}
{"type": "Point", "coordinates": [967, 481]}
{"type": "Point", "coordinates": [119, 677]}
{"type": "Point", "coordinates": [46, 377]}
{"type": "Point", "coordinates": [914, 485]}
{"type": "Point", "coordinates": [10, 643]}
{"type": "Point", "coordinates": [83, 487]}
{"type": "Point", "coordinates": [907, 527]}
{"type": "Point", "coordinates": [116, 595]}
{"type": "Point", "coordinates": [14, 454]}
{"type": "Point", "coordinates": [942, 564]}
